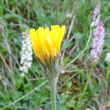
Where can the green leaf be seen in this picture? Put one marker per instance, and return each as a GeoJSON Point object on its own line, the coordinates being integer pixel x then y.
{"type": "Point", "coordinates": [78, 36]}
{"type": "Point", "coordinates": [66, 59]}
{"type": "Point", "coordinates": [69, 84]}
{"type": "Point", "coordinates": [1, 11]}
{"type": "Point", "coordinates": [11, 2]}
{"type": "Point", "coordinates": [8, 16]}
{"type": "Point", "coordinates": [82, 43]}
{"type": "Point", "coordinates": [67, 45]}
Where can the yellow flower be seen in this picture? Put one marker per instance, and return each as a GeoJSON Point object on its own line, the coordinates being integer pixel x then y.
{"type": "Point", "coordinates": [108, 104]}
{"type": "Point", "coordinates": [46, 43]}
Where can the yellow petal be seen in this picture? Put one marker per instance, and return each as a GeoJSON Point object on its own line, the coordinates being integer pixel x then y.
{"type": "Point", "coordinates": [61, 35]}
{"type": "Point", "coordinates": [57, 36]}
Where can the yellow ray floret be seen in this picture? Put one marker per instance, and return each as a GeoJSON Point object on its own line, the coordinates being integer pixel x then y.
{"type": "Point", "coordinates": [46, 42]}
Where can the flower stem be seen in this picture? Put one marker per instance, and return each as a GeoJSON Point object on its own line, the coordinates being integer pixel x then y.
{"type": "Point", "coordinates": [53, 83]}
{"type": "Point", "coordinates": [85, 88]}
{"type": "Point", "coordinates": [107, 73]}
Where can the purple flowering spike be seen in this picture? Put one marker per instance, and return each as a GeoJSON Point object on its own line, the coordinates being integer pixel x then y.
{"type": "Point", "coordinates": [40, 109]}
{"type": "Point", "coordinates": [96, 14]}
{"type": "Point", "coordinates": [98, 40]}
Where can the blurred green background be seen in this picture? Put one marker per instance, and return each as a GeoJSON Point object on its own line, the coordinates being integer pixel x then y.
{"type": "Point", "coordinates": [18, 15]}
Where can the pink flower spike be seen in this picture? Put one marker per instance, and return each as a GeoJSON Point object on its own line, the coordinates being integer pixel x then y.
{"type": "Point", "coordinates": [96, 14]}
{"type": "Point", "coordinates": [98, 40]}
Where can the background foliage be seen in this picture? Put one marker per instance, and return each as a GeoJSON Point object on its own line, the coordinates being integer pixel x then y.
{"type": "Point", "coordinates": [18, 15]}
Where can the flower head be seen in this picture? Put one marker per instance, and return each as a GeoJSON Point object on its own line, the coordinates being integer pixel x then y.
{"type": "Point", "coordinates": [46, 43]}
{"type": "Point", "coordinates": [26, 53]}
{"type": "Point", "coordinates": [98, 41]}
{"type": "Point", "coordinates": [96, 14]}
{"type": "Point", "coordinates": [40, 109]}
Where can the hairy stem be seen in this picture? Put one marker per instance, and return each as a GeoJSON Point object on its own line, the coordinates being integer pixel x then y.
{"type": "Point", "coordinates": [53, 83]}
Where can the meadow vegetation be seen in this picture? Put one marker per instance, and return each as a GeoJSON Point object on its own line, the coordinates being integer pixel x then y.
{"type": "Point", "coordinates": [31, 91]}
